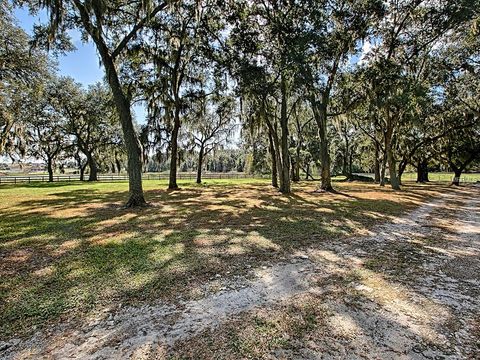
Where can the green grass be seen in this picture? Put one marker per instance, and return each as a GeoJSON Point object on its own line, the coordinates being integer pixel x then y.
{"type": "Point", "coordinates": [443, 177]}
{"type": "Point", "coordinates": [69, 249]}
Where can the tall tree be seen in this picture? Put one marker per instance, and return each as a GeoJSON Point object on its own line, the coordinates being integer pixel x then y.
{"type": "Point", "coordinates": [332, 31]}
{"type": "Point", "coordinates": [21, 76]}
{"type": "Point", "coordinates": [90, 118]}
{"type": "Point", "coordinates": [172, 55]}
{"type": "Point", "coordinates": [44, 132]}
{"type": "Point", "coordinates": [113, 26]}
{"type": "Point", "coordinates": [211, 126]}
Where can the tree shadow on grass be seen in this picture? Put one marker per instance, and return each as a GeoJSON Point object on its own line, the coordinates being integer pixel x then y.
{"type": "Point", "coordinates": [75, 250]}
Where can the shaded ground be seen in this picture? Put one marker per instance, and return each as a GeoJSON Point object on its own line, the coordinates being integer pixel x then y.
{"type": "Point", "coordinates": [68, 250]}
{"type": "Point", "coordinates": [407, 288]}
{"type": "Point", "coordinates": [409, 291]}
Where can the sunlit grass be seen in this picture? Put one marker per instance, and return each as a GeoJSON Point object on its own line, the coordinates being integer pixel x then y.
{"type": "Point", "coordinates": [69, 248]}
{"type": "Point", "coordinates": [444, 177]}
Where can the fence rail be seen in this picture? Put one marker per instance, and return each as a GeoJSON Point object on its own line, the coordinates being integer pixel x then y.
{"type": "Point", "coordinates": [111, 177]}
{"type": "Point", "coordinates": [434, 177]}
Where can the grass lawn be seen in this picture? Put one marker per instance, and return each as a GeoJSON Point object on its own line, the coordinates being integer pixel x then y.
{"type": "Point", "coordinates": [443, 177]}
{"type": "Point", "coordinates": [68, 249]}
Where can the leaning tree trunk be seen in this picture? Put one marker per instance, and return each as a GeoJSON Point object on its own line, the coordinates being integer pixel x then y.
{"type": "Point", "coordinates": [172, 183]}
{"type": "Point", "coordinates": [273, 154]}
{"type": "Point", "coordinates": [402, 166]}
{"type": "Point", "coordinates": [285, 168]}
{"type": "Point", "coordinates": [50, 169]}
{"type": "Point", "coordinates": [132, 143]}
{"type": "Point", "coordinates": [199, 166]}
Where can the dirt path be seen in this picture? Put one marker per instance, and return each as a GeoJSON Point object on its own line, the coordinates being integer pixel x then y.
{"type": "Point", "coordinates": [411, 289]}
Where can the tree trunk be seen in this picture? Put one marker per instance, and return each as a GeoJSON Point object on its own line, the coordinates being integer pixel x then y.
{"type": "Point", "coordinates": [199, 166]}
{"type": "Point", "coordinates": [394, 182]}
{"type": "Point", "coordinates": [422, 171]}
{"type": "Point", "coordinates": [119, 165]}
{"type": "Point", "coordinates": [345, 165]}
{"type": "Point", "coordinates": [92, 165]}
{"type": "Point", "coordinates": [458, 174]}
{"type": "Point", "coordinates": [132, 143]}
{"type": "Point", "coordinates": [346, 160]}
{"type": "Point", "coordinates": [81, 167]}
{"type": "Point", "coordinates": [383, 170]}
{"type": "Point", "coordinates": [292, 169]}
{"type": "Point", "coordinates": [172, 184]}
{"type": "Point", "coordinates": [320, 114]}
{"type": "Point", "coordinates": [285, 171]}
{"type": "Point", "coordinates": [401, 169]}
{"type": "Point", "coordinates": [307, 171]}
{"type": "Point", "coordinates": [326, 180]}
{"type": "Point", "coordinates": [377, 164]}
{"type": "Point", "coordinates": [392, 166]}
{"type": "Point", "coordinates": [297, 164]}
{"type": "Point", "coordinates": [276, 150]}
{"type": "Point", "coordinates": [112, 167]}
{"type": "Point", "coordinates": [350, 165]}
{"type": "Point", "coordinates": [273, 154]}
{"type": "Point", "coordinates": [50, 169]}
{"type": "Point", "coordinates": [82, 171]}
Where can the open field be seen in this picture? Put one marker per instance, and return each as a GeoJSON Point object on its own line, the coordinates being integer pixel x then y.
{"type": "Point", "coordinates": [443, 177]}
{"type": "Point", "coordinates": [68, 248]}
{"type": "Point", "coordinates": [70, 254]}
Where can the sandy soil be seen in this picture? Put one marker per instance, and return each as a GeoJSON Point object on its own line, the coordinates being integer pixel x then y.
{"type": "Point", "coordinates": [415, 294]}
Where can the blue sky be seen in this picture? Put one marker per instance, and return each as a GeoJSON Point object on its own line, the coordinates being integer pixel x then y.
{"type": "Point", "coordinates": [82, 64]}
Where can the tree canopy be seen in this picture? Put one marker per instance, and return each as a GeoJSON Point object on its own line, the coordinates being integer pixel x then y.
{"type": "Point", "coordinates": [314, 88]}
